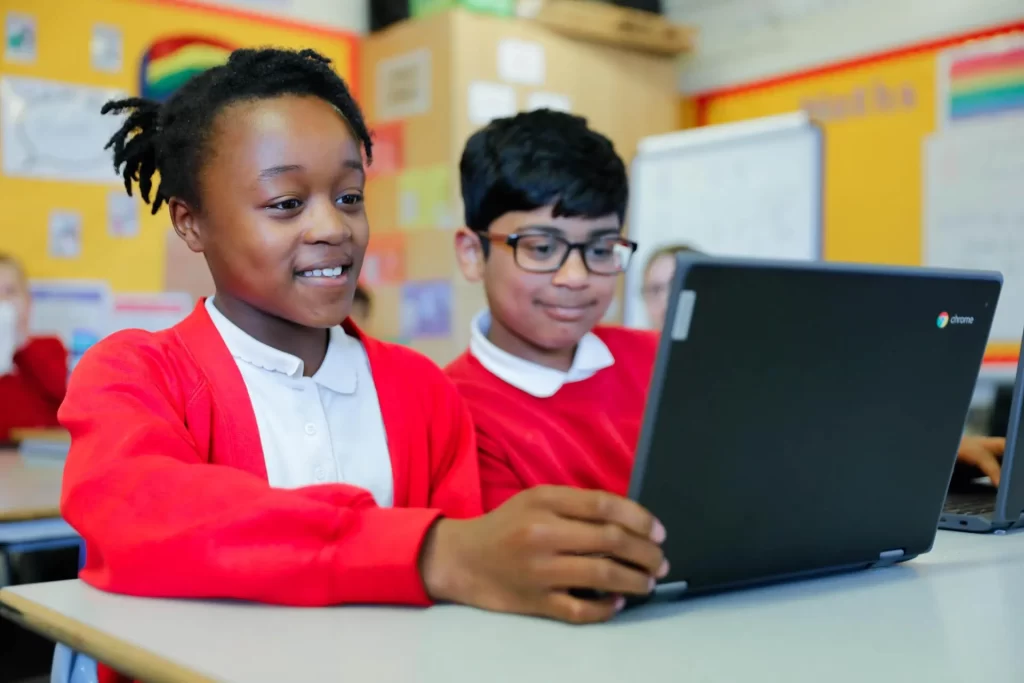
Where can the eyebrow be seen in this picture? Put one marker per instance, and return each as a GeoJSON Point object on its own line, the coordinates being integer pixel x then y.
{"type": "Point", "coordinates": [558, 232]}
{"type": "Point", "coordinates": [274, 171]}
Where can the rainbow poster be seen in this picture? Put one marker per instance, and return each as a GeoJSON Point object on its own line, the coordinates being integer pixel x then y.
{"type": "Point", "coordinates": [983, 79]}
{"type": "Point", "coordinates": [170, 61]}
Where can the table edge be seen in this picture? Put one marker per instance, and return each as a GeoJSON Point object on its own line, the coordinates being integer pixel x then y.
{"type": "Point", "coordinates": [125, 657]}
{"type": "Point", "coordinates": [29, 514]}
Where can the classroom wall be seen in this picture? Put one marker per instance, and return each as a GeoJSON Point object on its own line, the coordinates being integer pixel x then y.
{"type": "Point", "coordinates": [745, 41]}
{"type": "Point", "coordinates": [876, 113]}
{"type": "Point", "coordinates": [346, 15]}
{"type": "Point", "coordinates": [65, 29]}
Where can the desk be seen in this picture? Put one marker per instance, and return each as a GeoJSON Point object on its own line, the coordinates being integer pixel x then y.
{"type": "Point", "coordinates": [30, 509]}
{"type": "Point", "coordinates": [954, 615]}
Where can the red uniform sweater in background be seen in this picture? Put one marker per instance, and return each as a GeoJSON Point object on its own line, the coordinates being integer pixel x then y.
{"type": "Point", "coordinates": [584, 436]}
{"type": "Point", "coordinates": [32, 392]}
{"type": "Point", "coordinates": [166, 480]}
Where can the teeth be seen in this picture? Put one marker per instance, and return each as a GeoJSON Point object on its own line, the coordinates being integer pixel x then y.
{"type": "Point", "coordinates": [323, 272]}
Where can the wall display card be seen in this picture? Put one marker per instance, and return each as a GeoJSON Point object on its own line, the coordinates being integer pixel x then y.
{"type": "Point", "coordinates": [55, 131]}
{"type": "Point", "coordinates": [64, 234]}
{"type": "Point", "coordinates": [974, 210]}
{"type": "Point", "coordinates": [982, 79]}
{"type": "Point", "coordinates": [106, 48]}
{"type": "Point", "coordinates": [404, 85]}
{"type": "Point", "coordinates": [384, 262]}
{"type": "Point", "coordinates": [489, 101]}
{"type": "Point", "coordinates": [150, 311]}
{"type": "Point", "coordinates": [122, 214]}
{"type": "Point", "coordinates": [77, 311]}
{"type": "Point", "coordinates": [426, 309]}
{"type": "Point", "coordinates": [388, 149]}
{"type": "Point", "coordinates": [548, 100]}
{"type": "Point", "coordinates": [521, 61]}
{"type": "Point", "coordinates": [423, 198]}
{"type": "Point", "coordinates": [20, 38]}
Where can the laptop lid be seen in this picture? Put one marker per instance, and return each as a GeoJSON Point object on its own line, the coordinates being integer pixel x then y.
{"type": "Point", "coordinates": [1010, 498]}
{"type": "Point", "coordinates": [804, 417]}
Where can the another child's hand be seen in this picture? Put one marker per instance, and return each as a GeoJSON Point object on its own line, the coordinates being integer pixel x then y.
{"type": "Point", "coordinates": [526, 555]}
{"type": "Point", "coordinates": [983, 453]}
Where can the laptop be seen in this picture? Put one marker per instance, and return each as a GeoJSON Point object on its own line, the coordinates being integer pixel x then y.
{"type": "Point", "coordinates": [803, 418]}
{"type": "Point", "coordinates": [988, 509]}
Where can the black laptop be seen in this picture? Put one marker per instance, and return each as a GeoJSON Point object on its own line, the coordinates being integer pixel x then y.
{"type": "Point", "coordinates": [988, 509]}
{"type": "Point", "coordinates": [804, 418]}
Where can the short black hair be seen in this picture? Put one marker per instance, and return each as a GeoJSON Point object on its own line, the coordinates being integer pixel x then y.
{"type": "Point", "coordinates": [541, 158]}
{"type": "Point", "coordinates": [172, 138]}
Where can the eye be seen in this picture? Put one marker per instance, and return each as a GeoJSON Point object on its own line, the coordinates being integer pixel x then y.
{"type": "Point", "coordinates": [290, 204]}
{"type": "Point", "coordinates": [351, 199]}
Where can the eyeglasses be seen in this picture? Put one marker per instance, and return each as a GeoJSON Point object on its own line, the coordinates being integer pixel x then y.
{"type": "Point", "coordinates": [545, 253]}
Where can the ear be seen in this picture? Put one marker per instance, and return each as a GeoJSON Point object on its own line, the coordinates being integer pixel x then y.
{"type": "Point", "coordinates": [186, 224]}
{"type": "Point", "coordinates": [469, 253]}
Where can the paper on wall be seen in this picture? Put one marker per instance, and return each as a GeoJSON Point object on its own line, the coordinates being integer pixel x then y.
{"type": "Point", "coordinates": [423, 197]}
{"type": "Point", "coordinates": [106, 48]}
{"type": "Point", "coordinates": [548, 100]}
{"type": "Point", "coordinates": [521, 61]}
{"type": "Point", "coordinates": [64, 233]}
{"type": "Point", "coordinates": [489, 101]}
{"type": "Point", "coordinates": [404, 85]}
{"type": "Point", "coordinates": [426, 309]}
{"type": "Point", "coordinates": [20, 38]}
{"type": "Point", "coordinates": [974, 209]}
{"type": "Point", "coordinates": [122, 214]}
{"type": "Point", "coordinates": [77, 311]}
{"type": "Point", "coordinates": [55, 131]}
{"type": "Point", "coordinates": [151, 312]}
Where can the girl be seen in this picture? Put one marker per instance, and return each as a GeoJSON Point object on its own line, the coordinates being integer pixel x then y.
{"type": "Point", "coordinates": [33, 370]}
{"type": "Point", "coordinates": [265, 448]}
{"type": "Point", "coordinates": [661, 266]}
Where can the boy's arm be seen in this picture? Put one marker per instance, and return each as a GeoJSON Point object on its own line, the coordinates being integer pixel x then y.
{"type": "Point", "coordinates": [498, 479]}
{"type": "Point", "coordinates": [158, 521]}
{"type": "Point", "coordinates": [44, 361]}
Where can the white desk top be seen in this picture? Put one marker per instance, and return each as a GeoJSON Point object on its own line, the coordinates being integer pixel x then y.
{"type": "Point", "coordinates": [954, 615]}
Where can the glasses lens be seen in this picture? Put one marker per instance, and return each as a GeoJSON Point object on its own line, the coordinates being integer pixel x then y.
{"type": "Point", "coordinates": [540, 253]}
{"type": "Point", "coordinates": [609, 256]}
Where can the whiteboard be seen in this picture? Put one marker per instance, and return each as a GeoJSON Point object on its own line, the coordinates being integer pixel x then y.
{"type": "Point", "coordinates": [750, 189]}
{"type": "Point", "coordinates": [974, 208]}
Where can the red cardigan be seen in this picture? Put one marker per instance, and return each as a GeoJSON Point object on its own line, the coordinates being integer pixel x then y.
{"type": "Point", "coordinates": [584, 436]}
{"type": "Point", "coordinates": [32, 392]}
{"type": "Point", "coordinates": [166, 481]}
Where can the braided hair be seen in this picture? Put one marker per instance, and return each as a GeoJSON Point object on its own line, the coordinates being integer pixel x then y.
{"type": "Point", "coordinates": [172, 138]}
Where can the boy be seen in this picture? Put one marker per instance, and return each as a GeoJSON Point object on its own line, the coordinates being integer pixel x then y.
{"type": "Point", "coordinates": [556, 398]}
{"type": "Point", "coordinates": [33, 370]}
{"type": "Point", "coordinates": [265, 448]}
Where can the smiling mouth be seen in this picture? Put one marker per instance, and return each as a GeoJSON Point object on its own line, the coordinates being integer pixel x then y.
{"type": "Point", "coordinates": [332, 273]}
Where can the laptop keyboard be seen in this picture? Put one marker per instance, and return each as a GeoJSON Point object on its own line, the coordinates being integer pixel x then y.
{"type": "Point", "coordinates": [970, 504]}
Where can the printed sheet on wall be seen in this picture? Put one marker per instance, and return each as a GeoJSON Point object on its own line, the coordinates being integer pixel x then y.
{"type": "Point", "coordinates": [750, 189]}
{"type": "Point", "coordinates": [974, 209]}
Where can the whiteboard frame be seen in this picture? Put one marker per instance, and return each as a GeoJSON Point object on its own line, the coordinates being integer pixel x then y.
{"type": "Point", "coordinates": [740, 132]}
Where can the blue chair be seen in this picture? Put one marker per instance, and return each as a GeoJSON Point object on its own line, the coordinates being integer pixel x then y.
{"type": "Point", "coordinates": [70, 666]}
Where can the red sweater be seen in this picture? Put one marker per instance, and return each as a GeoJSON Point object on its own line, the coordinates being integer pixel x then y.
{"type": "Point", "coordinates": [584, 436]}
{"type": "Point", "coordinates": [31, 394]}
{"type": "Point", "coordinates": [166, 481]}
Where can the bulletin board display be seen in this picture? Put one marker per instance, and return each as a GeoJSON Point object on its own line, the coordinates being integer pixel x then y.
{"type": "Point", "coordinates": [878, 115]}
{"type": "Point", "coordinates": [62, 59]}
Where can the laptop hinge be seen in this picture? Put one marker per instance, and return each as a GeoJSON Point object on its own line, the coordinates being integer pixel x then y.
{"type": "Point", "coordinates": [890, 556]}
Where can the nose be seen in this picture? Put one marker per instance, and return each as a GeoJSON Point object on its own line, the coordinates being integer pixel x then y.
{"type": "Point", "coordinates": [325, 224]}
{"type": "Point", "coordinates": [573, 272]}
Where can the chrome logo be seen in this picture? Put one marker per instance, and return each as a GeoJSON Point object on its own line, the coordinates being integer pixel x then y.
{"type": "Point", "coordinates": [942, 320]}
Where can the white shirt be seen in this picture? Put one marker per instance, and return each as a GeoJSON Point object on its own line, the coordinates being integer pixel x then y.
{"type": "Point", "coordinates": [322, 429]}
{"type": "Point", "coordinates": [592, 355]}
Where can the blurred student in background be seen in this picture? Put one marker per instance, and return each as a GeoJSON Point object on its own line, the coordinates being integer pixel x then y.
{"type": "Point", "coordinates": [33, 370]}
{"type": "Point", "coordinates": [557, 398]}
{"type": "Point", "coordinates": [658, 273]}
{"type": "Point", "coordinates": [362, 307]}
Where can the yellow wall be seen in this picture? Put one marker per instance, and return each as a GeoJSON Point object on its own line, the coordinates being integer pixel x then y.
{"type": "Point", "coordinates": [876, 116]}
{"type": "Point", "coordinates": [64, 31]}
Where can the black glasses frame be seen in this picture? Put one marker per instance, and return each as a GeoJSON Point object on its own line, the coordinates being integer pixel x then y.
{"type": "Point", "coordinates": [513, 241]}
